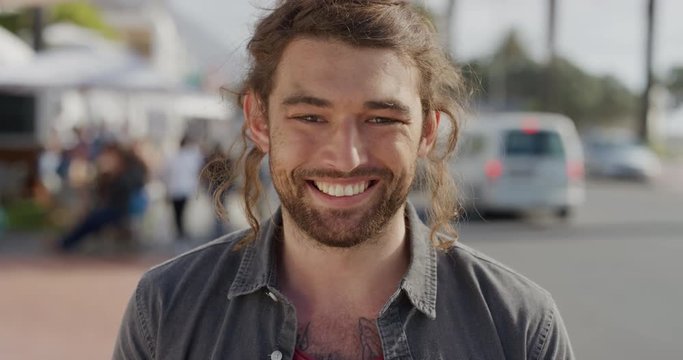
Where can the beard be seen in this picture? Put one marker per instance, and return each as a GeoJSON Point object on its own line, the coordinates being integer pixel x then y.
{"type": "Point", "coordinates": [348, 227]}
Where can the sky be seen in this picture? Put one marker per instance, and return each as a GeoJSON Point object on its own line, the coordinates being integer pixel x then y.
{"type": "Point", "coordinates": [602, 36]}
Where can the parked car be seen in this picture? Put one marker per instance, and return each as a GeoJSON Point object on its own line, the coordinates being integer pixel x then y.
{"type": "Point", "coordinates": [621, 158]}
{"type": "Point", "coordinates": [520, 162]}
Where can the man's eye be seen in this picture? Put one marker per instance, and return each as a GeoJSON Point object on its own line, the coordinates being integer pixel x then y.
{"type": "Point", "coordinates": [309, 118]}
{"type": "Point", "coordinates": [382, 121]}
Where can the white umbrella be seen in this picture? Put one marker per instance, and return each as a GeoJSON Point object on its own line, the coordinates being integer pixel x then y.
{"type": "Point", "coordinates": [134, 76]}
{"type": "Point", "coordinates": [13, 50]}
{"type": "Point", "coordinates": [77, 68]}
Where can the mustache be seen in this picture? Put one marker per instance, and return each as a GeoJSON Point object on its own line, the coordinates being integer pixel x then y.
{"type": "Point", "coordinates": [357, 172]}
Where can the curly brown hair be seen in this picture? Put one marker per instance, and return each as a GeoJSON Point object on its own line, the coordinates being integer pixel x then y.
{"type": "Point", "coordinates": [385, 24]}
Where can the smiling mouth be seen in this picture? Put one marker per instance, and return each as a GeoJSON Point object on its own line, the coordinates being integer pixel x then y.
{"type": "Point", "coordinates": [339, 190]}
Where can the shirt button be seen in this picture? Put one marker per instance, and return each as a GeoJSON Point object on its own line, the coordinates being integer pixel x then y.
{"type": "Point", "coordinates": [274, 298]}
{"type": "Point", "coordinates": [276, 355]}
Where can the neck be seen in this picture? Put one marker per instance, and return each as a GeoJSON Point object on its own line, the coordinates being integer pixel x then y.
{"type": "Point", "coordinates": [315, 276]}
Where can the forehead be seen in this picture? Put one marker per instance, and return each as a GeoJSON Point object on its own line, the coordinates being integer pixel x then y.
{"type": "Point", "coordinates": [332, 68]}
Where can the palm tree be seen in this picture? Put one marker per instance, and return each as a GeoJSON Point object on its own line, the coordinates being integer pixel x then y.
{"type": "Point", "coordinates": [449, 18]}
{"type": "Point", "coordinates": [643, 132]}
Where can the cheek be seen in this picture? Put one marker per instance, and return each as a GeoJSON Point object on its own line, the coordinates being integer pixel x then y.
{"type": "Point", "coordinates": [289, 148]}
{"type": "Point", "coordinates": [402, 147]}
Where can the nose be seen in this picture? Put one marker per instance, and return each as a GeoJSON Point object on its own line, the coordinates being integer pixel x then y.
{"type": "Point", "coordinates": [346, 147]}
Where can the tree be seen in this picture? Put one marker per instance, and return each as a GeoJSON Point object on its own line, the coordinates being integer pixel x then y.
{"type": "Point", "coordinates": [511, 80]}
{"type": "Point", "coordinates": [16, 21]}
{"type": "Point", "coordinates": [80, 13]}
{"type": "Point", "coordinates": [674, 84]}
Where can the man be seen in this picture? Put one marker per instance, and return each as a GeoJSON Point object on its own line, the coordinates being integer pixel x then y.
{"type": "Point", "coordinates": [345, 98]}
{"type": "Point", "coordinates": [182, 179]}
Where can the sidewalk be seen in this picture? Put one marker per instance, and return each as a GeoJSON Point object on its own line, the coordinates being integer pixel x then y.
{"type": "Point", "coordinates": [70, 306]}
{"type": "Point", "coordinates": [56, 306]}
{"type": "Point", "coordinates": [66, 307]}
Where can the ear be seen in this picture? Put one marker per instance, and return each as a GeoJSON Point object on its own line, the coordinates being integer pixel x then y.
{"type": "Point", "coordinates": [256, 121]}
{"type": "Point", "coordinates": [429, 133]}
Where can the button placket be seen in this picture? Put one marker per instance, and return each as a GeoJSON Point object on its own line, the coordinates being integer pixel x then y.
{"type": "Point", "coordinates": [276, 355]}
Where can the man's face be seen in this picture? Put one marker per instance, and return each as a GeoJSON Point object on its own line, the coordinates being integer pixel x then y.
{"type": "Point", "coordinates": [344, 131]}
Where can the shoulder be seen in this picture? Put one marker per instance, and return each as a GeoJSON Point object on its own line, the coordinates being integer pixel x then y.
{"type": "Point", "coordinates": [521, 311]}
{"type": "Point", "coordinates": [505, 293]}
{"type": "Point", "coordinates": [174, 293]}
{"type": "Point", "coordinates": [490, 275]}
{"type": "Point", "coordinates": [214, 263]}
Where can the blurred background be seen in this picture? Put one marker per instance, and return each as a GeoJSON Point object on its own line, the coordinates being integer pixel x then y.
{"type": "Point", "coordinates": [110, 108]}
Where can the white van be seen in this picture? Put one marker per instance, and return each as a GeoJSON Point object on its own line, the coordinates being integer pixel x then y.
{"type": "Point", "coordinates": [520, 162]}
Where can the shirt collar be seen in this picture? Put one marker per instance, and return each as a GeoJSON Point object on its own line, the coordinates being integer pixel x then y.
{"type": "Point", "coordinates": [257, 268]}
{"type": "Point", "coordinates": [420, 281]}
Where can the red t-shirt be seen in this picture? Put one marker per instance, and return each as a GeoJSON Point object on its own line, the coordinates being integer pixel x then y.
{"type": "Point", "coordinates": [298, 355]}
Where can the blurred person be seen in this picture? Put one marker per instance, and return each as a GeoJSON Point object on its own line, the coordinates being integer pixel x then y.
{"type": "Point", "coordinates": [118, 193]}
{"type": "Point", "coordinates": [345, 98]}
{"type": "Point", "coordinates": [76, 170]}
{"type": "Point", "coordinates": [101, 136]}
{"type": "Point", "coordinates": [181, 177]}
{"type": "Point", "coordinates": [48, 163]}
{"type": "Point", "coordinates": [138, 167]}
{"type": "Point", "coordinates": [74, 165]}
{"type": "Point", "coordinates": [151, 154]}
{"type": "Point", "coordinates": [82, 149]}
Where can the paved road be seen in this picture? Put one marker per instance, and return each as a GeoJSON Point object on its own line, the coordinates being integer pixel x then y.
{"type": "Point", "coordinates": [616, 272]}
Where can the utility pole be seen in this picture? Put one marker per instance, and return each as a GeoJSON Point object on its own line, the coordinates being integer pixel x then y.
{"type": "Point", "coordinates": [550, 79]}
{"type": "Point", "coordinates": [449, 26]}
{"type": "Point", "coordinates": [643, 124]}
{"type": "Point", "coordinates": [38, 23]}
{"type": "Point", "coordinates": [552, 29]}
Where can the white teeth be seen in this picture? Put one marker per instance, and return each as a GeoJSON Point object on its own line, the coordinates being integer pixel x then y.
{"type": "Point", "coordinates": [348, 190]}
{"type": "Point", "coordinates": [338, 190]}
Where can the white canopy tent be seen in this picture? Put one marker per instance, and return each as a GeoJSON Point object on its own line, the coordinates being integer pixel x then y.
{"type": "Point", "coordinates": [86, 79]}
{"type": "Point", "coordinates": [83, 68]}
{"type": "Point", "coordinates": [13, 50]}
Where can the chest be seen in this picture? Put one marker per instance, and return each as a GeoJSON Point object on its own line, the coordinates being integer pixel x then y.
{"type": "Point", "coordinates": [339, 337]}
{"type": "Point", "coordinates": [257, 327]}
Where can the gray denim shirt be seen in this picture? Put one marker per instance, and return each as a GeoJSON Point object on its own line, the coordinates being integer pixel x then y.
{"type": "Point", "coordinates": [218, 303]}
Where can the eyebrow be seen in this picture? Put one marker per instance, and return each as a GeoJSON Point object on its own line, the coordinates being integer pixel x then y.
{"type": "Point", "coordinates": [305, 99]}
{"type": "Point", "coordinates": [388, 104]}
